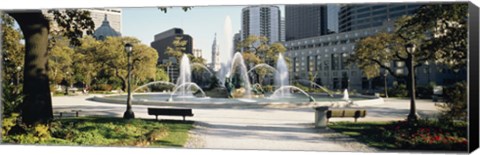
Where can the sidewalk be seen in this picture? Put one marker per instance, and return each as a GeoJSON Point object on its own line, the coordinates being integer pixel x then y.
{"type": "Point", "coordinates": [260, 128]}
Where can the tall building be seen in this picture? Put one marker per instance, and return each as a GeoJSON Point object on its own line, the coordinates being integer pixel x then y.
{"type": "Point", "coordinates": [261, 21]}
{"type": "Point", "coordinates": [237, 38]}
{"type": "Point", "coordinates": [282, 29]}
{"type": "Point", "coordinates": [303, 21]}
{"type": "Point", "coordinates": [326, 56]}
{"type": "Point", "coordinates": [332, 18]}
{"type": "Point", "coordinates": [105, 30]}
{"type": "Point", "coordinates": [165, 39]}
{"type": "Point", "coordinates": [215, 66]}
{"type": "Point", "coordinates": [360, 16]}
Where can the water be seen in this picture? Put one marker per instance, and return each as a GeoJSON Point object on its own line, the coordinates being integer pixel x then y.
{"type": "Point", "coordinates": [153, 83]}
{"type": "Point", "coordinates": [281, 76]}
{"type": "Point", "coordinates": [262, 65]}
{"type": "Point", "coordinates": [317, 85]}
{"type": "Point", "coordinates": [280, 92]}
{"type": "Point", "coordinates": [239, 65]}
{"type": "Point", "coordinates": [294, 98]}
{"type": "Point", "coordinates": [345, 95]}
{"type": "Point", "coordinates": [225, 61]}
{"type": "Point", "coordinates": [183, 87]}
{"type": "Point", "coordinates": [184, 76]}
{"type": "Point", "coordinates": [203, 67]}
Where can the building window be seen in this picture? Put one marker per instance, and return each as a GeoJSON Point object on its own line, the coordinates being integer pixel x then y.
{"type": "Point", "coordinates": [295, 63]}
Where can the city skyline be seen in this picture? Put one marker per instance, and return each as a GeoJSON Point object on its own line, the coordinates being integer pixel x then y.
{"type": "Point", "coordinates": [200, 22]}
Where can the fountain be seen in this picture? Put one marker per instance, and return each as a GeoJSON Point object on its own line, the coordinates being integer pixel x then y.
{"type": "Point", "coordinates": [345, 96]}
{"type": "Point", "coordinates": [152, 83]}
{"type": "Point", "coordinates": [226, 61]}
{"type": "Point", "coordinates": [281, 76]}
{"type": "Point", "coordinates": [329, 92]}
{"type": "Point", "coordinates": [262, 65]}
{"type": "Point", "coordinates": [202, 66]}
{"type": "Point", "coordinates": [184, 76]}
{"type": "Point", "coordinates": [235, 80]}
{"type": "Point", "coordinates": [182, 87]}
{"type": "Point", "coordinates": [238, 72]}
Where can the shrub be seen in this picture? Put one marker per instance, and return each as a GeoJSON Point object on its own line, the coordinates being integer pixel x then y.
{"type": "Point", "coordinates": [11, 99]}
{"type": "Point", "coordinates": [8, 123]}
{"type": "Point", "coordinates": [102, 87]}
{"type": "Point", "coordinates": [455, 107]}
{"type": "Point", "coordinates": [399, 90]}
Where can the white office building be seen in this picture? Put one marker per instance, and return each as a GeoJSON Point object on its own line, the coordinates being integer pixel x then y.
{"type": "Point", "coordinates": [261, 21]}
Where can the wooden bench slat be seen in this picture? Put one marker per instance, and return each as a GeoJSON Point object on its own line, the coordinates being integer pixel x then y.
{"type": "Point", "coordinates": [355, 113]}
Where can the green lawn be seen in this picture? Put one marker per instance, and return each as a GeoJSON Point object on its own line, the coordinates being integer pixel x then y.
{"type": "Point", "coordinates": [97, 131]}
{"type": "Point", "coordinates": [399, 135]}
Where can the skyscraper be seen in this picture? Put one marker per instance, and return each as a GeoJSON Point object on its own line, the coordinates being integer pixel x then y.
{"type": "Point", "coordinates": [237, 38]}
{"type": "Point", "coordinates": [332, 18]}
{"type": "Point", "coordinates": [303, 21]}
{"type": "Point", "coordinates": [282, 29]}
{"type": "Point", "coordinates": [165, 39]}
{"type": "Point", "coordinates": [360, 16]}
{"type": "Point", "coordinates": [261, 21]}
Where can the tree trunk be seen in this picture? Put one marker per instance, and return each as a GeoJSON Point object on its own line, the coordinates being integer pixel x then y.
{"type": "Point", "coordinates": [37, 104]}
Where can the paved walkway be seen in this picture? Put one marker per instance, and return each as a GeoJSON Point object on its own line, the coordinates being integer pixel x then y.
{"type": "Point", "coordinates": [261, 129]}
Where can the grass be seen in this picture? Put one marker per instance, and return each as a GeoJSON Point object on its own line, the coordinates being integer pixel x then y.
{"type": "Point", "coordinates": [399, 135]}
{"type": "Point", "coordinates": [365, 132]}
{"type": "Point", "coordinates": [100, 131]}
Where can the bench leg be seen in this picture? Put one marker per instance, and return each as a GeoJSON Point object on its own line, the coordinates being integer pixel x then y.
{"type": "Point", "coordinates": [356, 119]}
{"type": "Point", "coordinates": [76, 114]}
{"type": "Point", "coordinates": [183, 118]}
{"type": "Point", "coordinates": [156, 117]}
{"type": "Point", "coordinates": [61, 114]}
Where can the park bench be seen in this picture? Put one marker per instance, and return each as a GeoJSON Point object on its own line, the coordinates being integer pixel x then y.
{"type": "Point", "coordinates": [73, 113]}
{"type": "Point", "coordinates": [169, 112]}
{"type": "Point", "coordinates": [355, 113]}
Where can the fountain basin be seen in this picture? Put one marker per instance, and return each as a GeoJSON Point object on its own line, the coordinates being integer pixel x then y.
{"type": "Point", "coordinates": [294, 101]}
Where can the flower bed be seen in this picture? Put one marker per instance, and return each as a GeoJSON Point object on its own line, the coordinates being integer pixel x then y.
{"type": "Point", "coordinates": [401, 135]}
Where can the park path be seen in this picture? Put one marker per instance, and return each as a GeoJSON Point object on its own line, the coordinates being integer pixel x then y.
{"type": "Point", "coordinates": [257, 128]}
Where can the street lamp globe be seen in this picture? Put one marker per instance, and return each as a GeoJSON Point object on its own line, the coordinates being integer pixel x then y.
{"type": "Point", "coordinates": [128, 47]}
{"type": "Point", "coordinates": [410, 47]}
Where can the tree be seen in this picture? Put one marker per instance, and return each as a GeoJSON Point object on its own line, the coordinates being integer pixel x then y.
{"type": "Point", "coordinates": [256, 50]}
{"type": "Point", "coordinates": [85, 67]}
{"type": "Point", "coordinates": [113, 58]}
{"type": "Point", "coordinates": [37, 104]}
{"type": "Point", "coordinates": [12, 55]}
{"type": "Point", "coordinates": [160, 75]}
{"type": "Point", "coordinates": [436, 38]}
{"type": "Point", "coordinates": [177, 49]}
{"type": "Point", "coordinates": [60, 62]}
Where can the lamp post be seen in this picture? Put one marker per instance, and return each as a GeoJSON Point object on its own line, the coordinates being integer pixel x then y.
{"type": "Point", "coordinates": [385, 78]}
{"type": "Point", "coordinates": [385, 74]}
{"type": "Point", "coordinates": [129, 113]}
{"type": "Point", "coordinates": [412, 116]}
{"type": "Point", "coordinates": [345, 56]}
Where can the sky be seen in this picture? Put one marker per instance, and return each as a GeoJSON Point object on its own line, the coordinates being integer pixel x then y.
{"type": "Point", "coordinates": [200, 22]}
